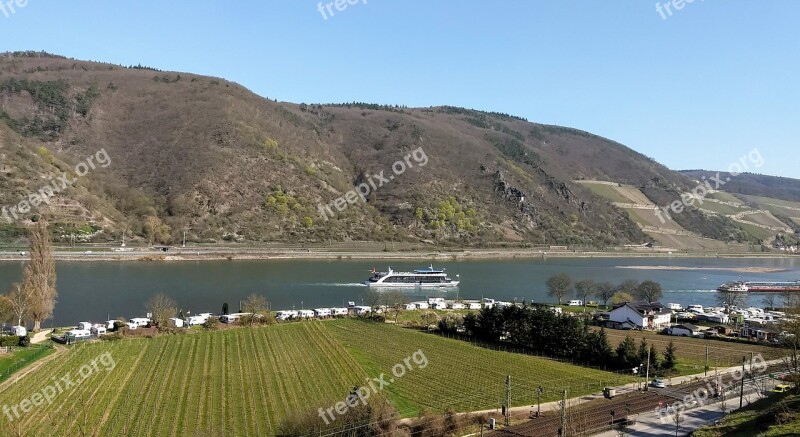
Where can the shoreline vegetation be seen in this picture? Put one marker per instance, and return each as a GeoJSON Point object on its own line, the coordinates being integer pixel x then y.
{"type": "Point", "coordinates": [371, 251]}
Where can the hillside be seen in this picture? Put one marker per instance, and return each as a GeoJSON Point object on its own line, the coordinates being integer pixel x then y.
{"type": "Point", "coordinates": [208, 157]}
{"type": "Point", "coordinates": [755, 184]}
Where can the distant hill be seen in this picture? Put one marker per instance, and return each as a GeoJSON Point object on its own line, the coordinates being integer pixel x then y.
{"type": "Point", "coordinates": [754, 184]}
{"type": "Point", "coordinates": [208, 157]}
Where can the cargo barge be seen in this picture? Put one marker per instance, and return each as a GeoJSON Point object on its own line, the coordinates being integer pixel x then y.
{"type": "Point", "coordinates": [760, 286]}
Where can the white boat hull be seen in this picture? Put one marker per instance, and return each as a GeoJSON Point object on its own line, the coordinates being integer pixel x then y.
{"type": "Point", "coordinates": [411, 285]}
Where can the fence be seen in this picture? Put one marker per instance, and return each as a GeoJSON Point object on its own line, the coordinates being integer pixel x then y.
{"type": "Point", "coordinates": [18, 363]}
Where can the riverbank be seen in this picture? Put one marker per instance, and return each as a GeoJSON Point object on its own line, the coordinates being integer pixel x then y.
{"type": "Point", "coordinates": [367, 251]}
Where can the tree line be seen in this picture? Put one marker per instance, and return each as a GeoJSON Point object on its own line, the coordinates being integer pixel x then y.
{"type": "Point", "coordinates": [560, 285]}
{"type": "Point", "coordinates": [541, 330]}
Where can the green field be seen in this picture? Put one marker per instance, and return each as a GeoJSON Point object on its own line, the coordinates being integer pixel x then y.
{"type": "Point", "coordinates": [607, 191]}
{"type": "Point", "coordinates": [724, 197]}
{"type": "Point", "coordinates": [760, 233]}
{"type": "Point", "coordinates": [17, 360]}
{"type": "Point", "coordinates": [247, 381]}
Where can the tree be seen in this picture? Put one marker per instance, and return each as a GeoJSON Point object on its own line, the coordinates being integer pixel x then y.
{"type": "Point", "coordinates": [628, 286]}
{"type": "Point", "coordinates": [649, 291]}
{"type": "Point", "coordinates": [604, 291]}
{"type": "Point", "coordinates": [769, 300]}
{"type": "Point", "coordinates": [155, 230]}
{"type": "Point", "coordinates": [620, 297]}
{"type": "Point", "coordinates": [397, 301]}
{"type": "Point", "coordinates": [224, 308]}
{"type": "Point", "coordinates": [670, 359]}
{"type": "Point", "coordinates": [583, 289]}
{"type": "Point", "coordinates": [162, 308]}
{"type": "Point", "coordinates": [730, 299]}
{"type": "Point", "coordinates": [39, 276]}
{"type": "Point", "coordinates": [558, 286]}
{"type": "Point", "coordinates": [257, 305]}
{"type": "Point", "coordinates": [627, 356]}
{"type": "Point", "coordinates": [16, 304]}
{"type": "Point", "coordinates": [373, 299]}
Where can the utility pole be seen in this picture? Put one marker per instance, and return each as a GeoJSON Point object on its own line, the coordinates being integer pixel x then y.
{"type": "Point", "coordinates": [647, 372]}
{"type": "Point", "coordinates": [539, 401]}
{"type": "Point", "coordinates": [508, 400]}
{"type": "Point", "coordinates": [741, 392]}
{"type": "Point", "coordinates": [705, 372]}
{"type": "Point", "coordinates": [564, 414]}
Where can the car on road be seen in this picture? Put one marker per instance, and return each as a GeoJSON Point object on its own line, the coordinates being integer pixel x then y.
{"type": "Point", "coordinates": [658, 383]}
{"type": "Point", "coordinates": [781, 388]}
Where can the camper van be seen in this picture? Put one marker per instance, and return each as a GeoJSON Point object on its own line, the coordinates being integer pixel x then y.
{"type": "Point", "coordinates": [139, 322]}
{"type": "Point", "coordinates": [286, 315]}
{"type": "Point", "coordinates": [233, 318]}
{"type": "Point", "coordinates": [77, 335]}
{"type": "Point", "coordinates": [322, 312]}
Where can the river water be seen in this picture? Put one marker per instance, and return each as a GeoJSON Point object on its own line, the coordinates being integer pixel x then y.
{"type": "Point", "coordinates": [96, 290]}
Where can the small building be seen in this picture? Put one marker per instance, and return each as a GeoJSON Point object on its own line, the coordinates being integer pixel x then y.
{"type": "Point", "coordinates": [640, 315]}
{"type": "Point", "coordinates": [286, 315]}
{"type": "Point", "coordinates": [85, 326]}
{"type": "Point", "coordinates": [456, 306]}
{"type": "Point", "coordinates": [19, 331]}
{"type": "Point", "coordinates": [685, 330]}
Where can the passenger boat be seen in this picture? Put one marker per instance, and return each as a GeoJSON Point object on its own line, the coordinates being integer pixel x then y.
{"type": "Point", "coordinates": [420, 278]}
{"type": "Point", "coordinates": [760, 286]}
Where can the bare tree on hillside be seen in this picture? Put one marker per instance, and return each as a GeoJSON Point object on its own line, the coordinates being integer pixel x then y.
{"type": "Point", "coordinates": [39, 276]}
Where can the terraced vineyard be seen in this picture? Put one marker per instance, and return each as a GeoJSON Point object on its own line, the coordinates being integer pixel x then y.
{"type": "Point", "coordinates": [245, 382]}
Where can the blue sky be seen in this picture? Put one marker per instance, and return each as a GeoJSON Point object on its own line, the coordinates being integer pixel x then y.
{"type": "Point", "coordinates": [699, 89]}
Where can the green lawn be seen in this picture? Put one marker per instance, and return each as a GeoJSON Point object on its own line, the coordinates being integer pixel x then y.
{"type": "Point", "coordinates": [17, 360]}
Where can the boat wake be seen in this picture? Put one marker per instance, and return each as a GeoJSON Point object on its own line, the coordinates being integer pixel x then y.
{"type": "Point", "coordinates": [337, 284]}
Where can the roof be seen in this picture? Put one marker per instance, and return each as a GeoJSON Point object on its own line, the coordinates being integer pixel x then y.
{"type": "Point", "coordinates": [644, 307]}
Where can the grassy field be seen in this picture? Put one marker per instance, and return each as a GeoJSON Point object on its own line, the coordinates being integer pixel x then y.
{"type": "Point", "coordinates": [607, 191]}
{"type": "Point", "coordinates": [17, 360]}
{"type": "Point", "coordinates": [245, 382]}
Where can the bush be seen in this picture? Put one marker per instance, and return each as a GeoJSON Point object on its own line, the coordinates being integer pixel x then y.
{"type": "Point", "coordinates": [24, 341]}
{"type": "Point", "coordinates": [9, 340]}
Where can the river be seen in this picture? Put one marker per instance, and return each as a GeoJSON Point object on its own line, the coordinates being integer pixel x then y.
{"type": "Point", "coordinates": [94, 291]}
